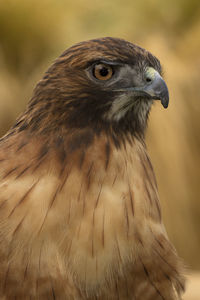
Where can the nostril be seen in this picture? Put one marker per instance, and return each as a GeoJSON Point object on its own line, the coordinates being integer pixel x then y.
{"type": "Point", "coordinates": [148, 79]}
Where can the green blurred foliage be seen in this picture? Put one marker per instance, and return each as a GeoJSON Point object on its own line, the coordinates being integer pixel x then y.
{"type": "Point", "coordinates": [33, 33]}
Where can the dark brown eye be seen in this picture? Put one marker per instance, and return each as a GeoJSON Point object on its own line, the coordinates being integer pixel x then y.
{"type": "Point", "coordinates": [103, 71]}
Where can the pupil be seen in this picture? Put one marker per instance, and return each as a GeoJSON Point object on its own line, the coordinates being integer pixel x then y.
{"type": "Point", "coordinates": [103, 71]}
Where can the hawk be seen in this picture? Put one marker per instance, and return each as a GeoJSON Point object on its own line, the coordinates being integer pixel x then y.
{"type": "Point", "coordinates": [79, 209]}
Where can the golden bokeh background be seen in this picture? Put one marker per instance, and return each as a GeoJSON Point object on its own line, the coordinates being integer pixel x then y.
{"type": "Point", "coordinates": [33, 33]}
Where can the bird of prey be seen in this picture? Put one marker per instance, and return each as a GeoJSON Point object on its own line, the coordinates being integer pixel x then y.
{"type": "Point", "coordinates": [79, 209]}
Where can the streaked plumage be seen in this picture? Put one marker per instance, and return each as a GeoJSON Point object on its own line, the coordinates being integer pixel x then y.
{"type": "Point", "coordinates": [79, 208]}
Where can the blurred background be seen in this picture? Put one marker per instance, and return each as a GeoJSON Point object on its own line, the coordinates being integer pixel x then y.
{"type": "Point", "coordinates": [33, 33]}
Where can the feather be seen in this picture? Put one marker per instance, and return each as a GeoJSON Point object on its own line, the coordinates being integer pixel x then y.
{"type": "Point", "coordinates": [79, 209]}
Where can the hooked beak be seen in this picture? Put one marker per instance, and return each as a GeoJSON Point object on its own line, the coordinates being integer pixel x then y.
{"type": "Point", "coordinates": [156, 87]}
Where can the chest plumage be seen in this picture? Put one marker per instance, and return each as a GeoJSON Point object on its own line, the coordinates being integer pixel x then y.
{"type": "Point", "coordinates": [87, 226]}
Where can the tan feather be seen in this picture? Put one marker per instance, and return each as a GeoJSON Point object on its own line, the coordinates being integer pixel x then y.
{"type": "Point", "coordinates": [80, 216]}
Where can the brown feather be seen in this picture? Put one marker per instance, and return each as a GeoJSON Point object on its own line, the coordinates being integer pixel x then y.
{"type": "Point", "coordinates": [79, 208]}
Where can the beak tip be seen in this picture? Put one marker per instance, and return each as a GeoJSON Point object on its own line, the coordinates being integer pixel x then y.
{"type": "Point", "coordinates": [165, 98]}
{"type": "Point", "coordinates": [165, 104]}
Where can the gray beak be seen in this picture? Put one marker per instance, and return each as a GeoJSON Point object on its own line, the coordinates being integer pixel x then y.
{"type": "Point", "coordinates": [156, 87]}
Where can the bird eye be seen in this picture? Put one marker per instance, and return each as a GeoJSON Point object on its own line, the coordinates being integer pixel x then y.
{"type": "Point", "coordinates": [103, 71]}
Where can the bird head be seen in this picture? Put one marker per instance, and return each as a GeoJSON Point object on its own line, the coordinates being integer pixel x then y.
{"type": "Point", "coordinates": [105, 83]}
